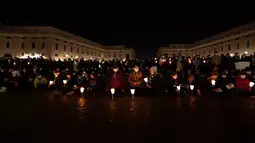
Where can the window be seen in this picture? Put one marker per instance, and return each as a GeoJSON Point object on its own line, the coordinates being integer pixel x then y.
{"type": "Point", "coordinates": [78, 50]}
{"type": "Point", "coordinates": [229, 47]}
{"type": "Point", "coordinates": [33, 54]}
{"type": "Point", "coordinates": [71, 49]}
{"type": "Point", "coordinates": [56, 47]}
{"type": "Point", "coordinates": [22, 54]}
{"type": "Point", "coordinates": [42, 54]}
{"type": "Point", "coordinates": [221, 48]}
{"type": "Point", "coordinates": [247, 44]}
{"type": "Point", "coordinates": [114, 56]}
{"type": "Point", "coordinates": [56, 55]}
{"type": "Point", "coordinates": [87, 53]}
{"type": "Point", "coordinates": [22, 45]}
{"type": "Point", "coordinates": [64, 47]}
{"type": "Point", "coordinates": [82, 51]}
{"type": "Point", "coordinates": [33, 45]}
{"type": "Point", "coordinates": [237, 45]}
{"type": "Point", "coordinates": [8, 44]}
{"type": "Point", "coordinates": [43, 45]}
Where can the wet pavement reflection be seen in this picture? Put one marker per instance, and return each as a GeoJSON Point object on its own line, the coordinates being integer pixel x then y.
{"type": "Point", "coordinates": [94, 117]}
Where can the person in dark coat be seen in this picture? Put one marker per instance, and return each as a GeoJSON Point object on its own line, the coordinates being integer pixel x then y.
{"type": "Point", "coordinates": [153, 85]}
{"type": "Point", "coordinates": [115, 80]}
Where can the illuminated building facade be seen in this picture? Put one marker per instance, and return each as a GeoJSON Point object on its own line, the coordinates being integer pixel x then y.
{"type": "Point", "coordinates": [238, 40]}
{"type": "Point", "coordinates": [51, 43]}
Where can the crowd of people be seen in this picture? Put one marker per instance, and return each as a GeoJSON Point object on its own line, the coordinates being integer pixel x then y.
{"type": "Point", "coordinates": [174, 76]}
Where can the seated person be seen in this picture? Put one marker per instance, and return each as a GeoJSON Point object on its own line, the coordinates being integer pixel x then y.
{"type": "Point", "coordinates": [91, 81]}
{"type": "Point", "coordinates": [192, 86]}
{"type": "Point", "coordinates": [249, 75]}
{"type": "Point", "coordinates": [41, 81]}
{"type": "Point", "coordinates": [56, 80]}
{"type": "Point", "coordinates": [173, 83]}
{"type": "Point", "coordinates": [77, 82]}
{"type": "Point", "coordinates": [223, 84]}
{"type": "Point", "coordinates": [242, 83]}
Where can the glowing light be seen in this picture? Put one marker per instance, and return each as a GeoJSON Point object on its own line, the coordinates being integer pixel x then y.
{"type": "Point", "coordinates": [178, 87]}
{"type": "Point", "coordinates": [232, 55]}
{"type": "Point", "coordinates": [246, 52]}
{"type": "Point", "coordinates": [213, 82]}
{"type": "Point", "coordinates": [64, 81]}
{"type": "Point", "coordinates": [66, 55]}
{"type": "Point", "coordinates": [204, 61]}
{"type": "Point", "coordinates": [145, 79]}
{"type": "Point", "coordinates": [191, 87]}
{"type": "Point", "coordinates": [112, 91]}
{"type": "Point", "coordinates": [82, 89]}
{"type": "Point", "coordinates": [251, 84]}
{"type": "Point", "coordinates": [76, 57]}
{"type": "Point", "coordinates": [28, 63]}
{"type": "Point", "coordinates": [132, 91]}
{"type": "Point", "coordinates": [51, 82]}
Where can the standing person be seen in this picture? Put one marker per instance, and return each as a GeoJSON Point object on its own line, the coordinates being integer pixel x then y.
{"type": "Point", "coordinates": [153, 85]}
{"type": "Point", "coordinates": [135, 78]}
{"type": "Point", "coordinates": [216, 61]}
{"type": "Point", "coordinates": [115, 80]}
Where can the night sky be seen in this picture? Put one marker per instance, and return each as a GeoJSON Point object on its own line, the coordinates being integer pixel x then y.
{"type": "Point", "coordinates": [143, 33]}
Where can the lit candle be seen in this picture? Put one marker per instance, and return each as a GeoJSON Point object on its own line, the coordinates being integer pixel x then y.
{"type": "Point", "coordinates": [64, 81]}
{"type": "Point", "coordinates": [251, 84]}
{"type": "Point", "coordinates": [178, 87]}
{"type": "Point", "coordinates": [132, 92]}
{"type": "Point", "coordinates": [213, 82]}
{"type": "Point", "coordinates": [191, 87]}
{"type": "Point", "coordinates": [145, 79]}
{"type": "Point", "coordinates": [82, 89]}
{"type": "Point", "coordinates": [112, 92]}
{"type": "Point", "coordinates": [51, 82]}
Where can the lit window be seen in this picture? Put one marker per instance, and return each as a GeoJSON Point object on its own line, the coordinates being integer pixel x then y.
{"type": "Point", "coordinates": [247, 44]}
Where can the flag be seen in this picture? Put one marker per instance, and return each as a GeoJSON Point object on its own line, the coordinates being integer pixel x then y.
{"type": "Point", "coordinates": [179, 62]}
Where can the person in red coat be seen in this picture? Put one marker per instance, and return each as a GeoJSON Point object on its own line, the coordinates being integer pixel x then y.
{"type": "Point", "coordinates": [115, 80]}
{"type": "Point", "coordinates": [242, 83]}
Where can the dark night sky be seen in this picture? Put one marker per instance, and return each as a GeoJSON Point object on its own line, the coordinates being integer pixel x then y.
{"type": "Point", "coordinates": [144, 33]}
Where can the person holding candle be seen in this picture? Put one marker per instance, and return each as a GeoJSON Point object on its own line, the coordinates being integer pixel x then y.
{"type": "Point", "coordinates": [242, 83]}
{"type": "Point", "coordinates": [153, 81]}
{"type": "Point", "coordinates": [173, 83]}
{"type": "Point", "coordinates": [91, 81]}
{"type": "Point", "coordinates": [135, 78]}
{"type": "Point", "coordinates": [115, 80]}
{"type": "Point", "coordinates": [78, 82]}
{"type": "Point", "coordinates": [224, 84]}
{"type": "Point", "coordinates": [41, 81]}
{"type": "Point", "coordinates": [192, 89]}
{"type": "Point", "coordinates": [56, 81]}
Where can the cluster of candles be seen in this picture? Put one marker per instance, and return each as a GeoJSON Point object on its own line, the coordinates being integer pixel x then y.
{"type": "Point", "coordinates": [178, 87]}
{"type": "Point", "coordinates": [251, 84]}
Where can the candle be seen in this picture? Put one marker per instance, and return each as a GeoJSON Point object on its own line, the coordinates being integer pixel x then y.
{"type": "Point", "coordinates": [178, 87]}
{"type": "Point", "coordinates": [191, 87]}
{"type": "Point", "coordinates": [51, 82]}
{"type": "Point", "coordinates": [64, 81]}
{"type": "Point", "coordinates": [145, 79]}
{"type": "Point", "coordinates": [82, 89]}
{"type": "Point", "coordinates": [251, 84]}
{"type": "Point", "coordinates": [213, 82]}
